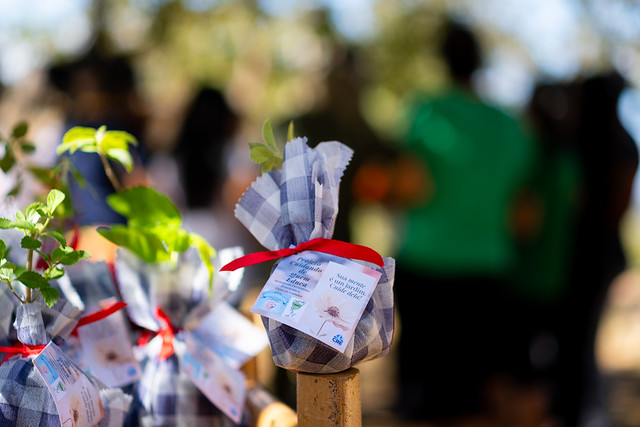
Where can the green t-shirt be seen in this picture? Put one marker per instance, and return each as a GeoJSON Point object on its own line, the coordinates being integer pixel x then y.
{"type": "Point", "coordinates": [477, 157]}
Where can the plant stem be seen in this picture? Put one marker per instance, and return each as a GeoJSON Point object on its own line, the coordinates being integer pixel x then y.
{"type": "Point", "coordinates": [109, 171]}
{"type": "Point", "coordinates": [29, 266]}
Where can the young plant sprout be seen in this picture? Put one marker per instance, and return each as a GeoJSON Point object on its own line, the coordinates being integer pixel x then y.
{"type": "Point", "coordinates": [153, 231]}
{"type": "Point", "coordinates": [268, 153]}
{"type": "Point", "coordinates": [34, 222]}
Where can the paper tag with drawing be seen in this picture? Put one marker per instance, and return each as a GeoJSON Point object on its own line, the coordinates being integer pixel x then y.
{"type": "Point", "coordinates": [106, 349]}
{"type": "Point", "coordinates": [224, 386]}
{"type": "Point", "coordinates": [319, 294]}
{"type": "Point", "coordinates": [76, 397]}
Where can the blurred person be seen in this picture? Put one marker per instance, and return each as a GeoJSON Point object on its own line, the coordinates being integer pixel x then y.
{"type": "Point", "coordinates": [545, 218]}
{"type": "Point", "coordinates": [608, 159]}
{"type": "Point", "coordinates": [456, 245]}
{"type": "Point", "coordinates": [210, 175]}
{"type": "Point", "coordinates": [100, 89]}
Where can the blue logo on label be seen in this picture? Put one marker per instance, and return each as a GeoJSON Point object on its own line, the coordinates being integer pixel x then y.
{"type": "Point", "coordinates": [131, 371]}
{"type": "Point", "coordinates": [338, 339]}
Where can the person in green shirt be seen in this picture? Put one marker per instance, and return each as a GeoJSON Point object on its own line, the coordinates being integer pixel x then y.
{"type": "Point", "coordinates": [457, 243]}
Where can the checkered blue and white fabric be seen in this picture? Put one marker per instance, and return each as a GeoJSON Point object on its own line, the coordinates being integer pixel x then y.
{"type": "Point", "coordinates": [165, 395]}
{"type": "Point", "coordinates": [168, 396]}
{"type": "Point", "coordinates": [296, 204]}
{"type": "Point", "coordinates": [24, 397]}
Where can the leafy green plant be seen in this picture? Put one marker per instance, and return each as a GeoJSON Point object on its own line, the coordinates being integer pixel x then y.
{"type": "Point", "coordinates": [15, 146]}
{"type": "Point", "coordinates": [112, 144]}
{"type": "Point", "coordinates": [153, 231]}
{"type": "Point", "coordinates": [34, 221]}
{"type": "Point", "coordinates": [268, 153]}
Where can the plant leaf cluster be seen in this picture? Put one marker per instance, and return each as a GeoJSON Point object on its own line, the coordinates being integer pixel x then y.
{"type": "Point", "coordinates": [269, 153]}
{"type": "Point", "coordinates": [113, 144]}
{"type": "Point", "coordinates": [34, 221]}
{"type": "Point", "coordinates": [153, 231]}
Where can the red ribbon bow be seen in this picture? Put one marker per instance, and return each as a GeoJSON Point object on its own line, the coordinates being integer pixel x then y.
{"type": "Point", "coordinates": [22, 349]}
{"type": "Point", "coordinates": [98, 315]}
{"type": "Point", "coordinates": [166, 332]}
{"type": "Point", "coordinates": [329, 246]}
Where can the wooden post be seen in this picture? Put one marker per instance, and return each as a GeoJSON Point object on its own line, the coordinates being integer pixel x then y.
{"type": "Point", "coordinates": [329, 399]}
{"type": "Point", "coordinates": [267, 411]}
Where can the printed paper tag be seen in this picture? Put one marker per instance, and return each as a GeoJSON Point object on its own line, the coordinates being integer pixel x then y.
{"type": "Point", "coordinates": [230, 335]}
{"type": "Point", "coordinates": [319, 294]}
{"type": "Point", "coordinates": [76, 398]}
{"type": "Point", "coordinates": [224, 386]}
{"type": "Point", "coordinates": [107, 353]}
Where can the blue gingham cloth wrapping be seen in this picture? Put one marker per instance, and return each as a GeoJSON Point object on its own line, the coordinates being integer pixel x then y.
{"type": "Point", "coordinates": [24, 397]}
{"type": "Point", "coordinates": [294, 205]}
{"type": "Point", "coordinates": [165, 395]}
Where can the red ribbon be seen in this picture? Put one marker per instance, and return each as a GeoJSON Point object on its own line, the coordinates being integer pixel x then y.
{"type": "Point", "coordinates": [328, 246]}
{"type": "Point", "coordinates": [98, 315]}
{"type": "Point", "coordinates": [166, 332]}
{"type": "Point", "coordinates": [22, 349]}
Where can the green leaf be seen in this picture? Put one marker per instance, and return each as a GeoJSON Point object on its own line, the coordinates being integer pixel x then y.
{"type": "Point", "coordinates": [54, 198]}
{"type": "Point", "coordinates": [29, 242]}
{"type": "Point", "coordinates": [3, 249]}
{"type": "Point", "coordinates": [59, 252]}
{"type": "Point", "coordinates": [33, 280]}
{"type": "Point", "coordinates": [27, 147]}
{"type": "Point", "coordinates": [122, 156]}
{"type": "Point", "coordinates": [20, 130]}
{"type": "Point", "coordinates": [54, 273]}
{"type": "Point", "coordinates": [57, 236]}
{"type": "Point", "coordinates": [50, 295]}
{"type": "Point", "coordinates": [6, 274]}
{"type": "Point", "coordinates": [7, 162]}
{"type": "Point", "coordinates": [262, 155]}
{"type": "Point", "coordinates": [143, 206]}
{"type": "Point", "coordinates": [21, 224]}
{"type": "Point", "coordinates": [290, 131]}
{"type": "Point", "coordinates": [268, 135]}
{"type": "Point", "coordinates": [73, 257]}
{"type": "Point", "coordinates": [207, 252]}
{"type": "Point", "coordinates": [144, 244]}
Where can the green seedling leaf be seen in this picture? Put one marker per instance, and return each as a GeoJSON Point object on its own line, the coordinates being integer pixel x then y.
{"type": "Point", "coordinates": [122, 156]}
{"type": "Point", "coordinates": [290, 131]}
{"type": "Point", "coordinates": [268, 135]}
{"type": "Point", "coordinates": [57, 236]}
{"type": "Point", "coordinates": [21, 224]}
{"type": "Point", "coordinates": [33, 280]}
{"type": "Point", "coordinates": [73, 257]}
{"type": "Point", "coordinates": [6, 274]}
{"type": "Point", "coordinates": [27, 147]}
{"type": "Point", "coordinates": [59, 252]}
{"type": "Point", "coordinates": [207, 253]}
{"type": "Point", "coordinates": [20, 130]}
{"type": "Point", "coordinates": [144, 244]}
{"type": "Point", "coordinates": [145, 207]}
{"type": "Point", "coordinates": [3, 249]}
{"type": "Point", "coordinates": [29, 242]}
{"type": "Point", "coordinates": [50, 295]}
{"type": "Point", "coordinates": [7, 162]}
{"type": "Point", "coordinates": [54, 199]}
{"type": "Point", "coordinates": [54, 273]}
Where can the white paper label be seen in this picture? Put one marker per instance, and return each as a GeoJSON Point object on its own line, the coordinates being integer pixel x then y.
{"type": "Point", "coordinates": [319, 294]}
{"type": "Point", "coordinates": [107, 353]}
{"type": "Point", "coordinates": [224, 386]}
{"type": "Point", "coordinates": [76, 398]}
{"type": "Point", "coordinates": [230, 335]}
